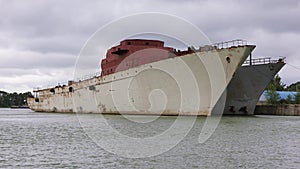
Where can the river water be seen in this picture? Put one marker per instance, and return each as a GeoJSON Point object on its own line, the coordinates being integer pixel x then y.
{"type": "Point", "coordinates": [48, 140]}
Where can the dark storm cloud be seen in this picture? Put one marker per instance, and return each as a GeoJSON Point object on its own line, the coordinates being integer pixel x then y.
{"type": "Point", "coordinates": [36, 36]}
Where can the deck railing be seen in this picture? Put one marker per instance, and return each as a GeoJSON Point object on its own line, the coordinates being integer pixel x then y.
{"type": "Point", "coordinates": [88, 76]}
{"type": "Point", "coordinates": [263, 60]}
{"type": "Point", "coordinates": [222, 45]}
{"type": "Point", "coordinates": [227, 44]}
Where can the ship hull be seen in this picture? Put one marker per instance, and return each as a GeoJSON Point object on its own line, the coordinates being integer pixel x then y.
{"type": "Point", "coordinates": [246, 87]}
{"type": "Point", "coordinates": [176, 86]}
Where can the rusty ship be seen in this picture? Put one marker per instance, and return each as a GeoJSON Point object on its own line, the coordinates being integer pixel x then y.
{"type": "Point", "coordinates": [141, 76]}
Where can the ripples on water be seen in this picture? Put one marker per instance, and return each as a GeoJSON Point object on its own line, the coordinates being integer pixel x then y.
{"type": "Point", "coordinates": [48, 140]}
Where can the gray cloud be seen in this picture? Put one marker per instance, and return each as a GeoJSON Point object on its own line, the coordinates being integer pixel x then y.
{"type": "Point", "coordinates": [30, 59]}
{"type": "Point", "coordinates": [38, 39]}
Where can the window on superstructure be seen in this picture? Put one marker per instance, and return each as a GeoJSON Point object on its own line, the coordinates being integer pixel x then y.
{"type": "Point", "coordinates": [128, 43]}
{"type": "Point", "coordinates": [147, 43]}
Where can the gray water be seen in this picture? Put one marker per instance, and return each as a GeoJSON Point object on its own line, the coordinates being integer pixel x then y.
{"type": "Point", "coordinates": [48, 140]}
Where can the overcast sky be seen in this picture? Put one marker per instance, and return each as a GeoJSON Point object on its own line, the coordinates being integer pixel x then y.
{"type": "Point", "coordinates": [41, 39]}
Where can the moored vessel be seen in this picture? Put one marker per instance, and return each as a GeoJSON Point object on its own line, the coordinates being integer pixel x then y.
{"type": "Point", "coordinates": [144, 77]}
{"type": "Point", "coordinates": [248, 84]}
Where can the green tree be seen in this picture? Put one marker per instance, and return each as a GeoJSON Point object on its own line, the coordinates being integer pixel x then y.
{"type": "Point", "coordinates": [272, 97]}
{"type": "Point", "coordinates": [297, 98]}
{"type": "Point", "coordinates": [13, 99]}
{"type": "Point", "coordinates": [289, 99]}
{"type": "Point", "coordinates": [276, 84]}
{"type": "Point", "coordinates": [3, 96]}
{"type": "Point", "coordinates": [293, 87]}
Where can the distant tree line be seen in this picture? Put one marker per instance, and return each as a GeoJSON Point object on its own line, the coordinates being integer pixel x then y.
{"type": "Point", "coordinates": [277, 85]}
{"type": "Point", "coordinates": [13, 99]}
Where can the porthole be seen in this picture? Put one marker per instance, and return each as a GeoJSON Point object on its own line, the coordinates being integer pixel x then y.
{"type": "Point", "coordinates": [52, 90]}
{"type": "Point", "coordinates": [92, 88]}
{"type": "Point", "coordinates": [228, 59]}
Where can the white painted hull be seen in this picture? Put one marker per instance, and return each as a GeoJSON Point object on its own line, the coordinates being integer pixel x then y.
{"type": "Point", "coordinates": [185, 85]}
